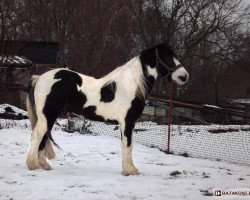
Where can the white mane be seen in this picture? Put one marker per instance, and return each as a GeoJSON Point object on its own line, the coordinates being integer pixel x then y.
{"type": "Point", "coordinates": [131, 76]}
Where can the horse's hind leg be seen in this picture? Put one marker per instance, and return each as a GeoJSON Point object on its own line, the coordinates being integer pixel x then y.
{"type": "Point", "coordinates": [42, 154]}
{"type": "Point", "coordinates": [49, 152]}
{"type": "Point", "coordinates": [45, 147]}
{"type": "Point", "coordinates": [42, 160]}
{"type": "Point", "coordinates": [46, 150]}
{"type": "Point", "coordinates": [36, 138]}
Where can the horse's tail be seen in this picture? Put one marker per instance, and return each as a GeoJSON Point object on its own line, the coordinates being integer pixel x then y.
{"type": "Point", "coordinates": [31, 108]}
{"type": "Point", "coordinates": [30, 101]}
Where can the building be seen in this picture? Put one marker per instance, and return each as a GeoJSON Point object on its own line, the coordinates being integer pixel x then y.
{"type": "Point", "coordinates": [18, 61]}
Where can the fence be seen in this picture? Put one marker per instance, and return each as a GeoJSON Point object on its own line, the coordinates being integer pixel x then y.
{"type": "Point", "coordinates": [218, 142]}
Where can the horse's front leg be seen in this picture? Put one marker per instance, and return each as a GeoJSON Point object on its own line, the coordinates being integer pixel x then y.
{"type": "Point", "coordinates": [126, 144]}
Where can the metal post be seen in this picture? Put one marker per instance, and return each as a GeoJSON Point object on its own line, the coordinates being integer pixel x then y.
{"type": "Point", "coordinates": [170, 115]}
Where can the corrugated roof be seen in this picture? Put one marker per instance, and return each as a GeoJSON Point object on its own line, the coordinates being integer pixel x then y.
{"type": "Point", "coordinates": [37, 52]}
{"type": "Point", "coordinates": [14, 60]}
{"type": "Point", "coordinates": [242, 101]}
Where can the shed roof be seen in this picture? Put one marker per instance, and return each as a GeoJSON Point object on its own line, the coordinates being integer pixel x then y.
{"type": "Point", "coordinates": [242, 101]}
{"type": "Point", "coordinates": [15, 61]}
{"type": "Point", "coordinates": [37, 52]}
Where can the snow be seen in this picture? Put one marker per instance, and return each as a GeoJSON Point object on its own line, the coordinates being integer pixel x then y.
{"type": "Point", "coordinates": [211, 106]}
{"type": "Point", "coordinates": [14, 60]}
{"type": "Point", "coordinates": [89, 167]}
{"type": "Point", "coordinates": [242, 101]}
{"type": "Point", "coordinates": [15, 109]}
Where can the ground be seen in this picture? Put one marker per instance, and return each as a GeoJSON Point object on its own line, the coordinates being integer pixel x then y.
{"type": "Point", "coordinates": [89, 167]}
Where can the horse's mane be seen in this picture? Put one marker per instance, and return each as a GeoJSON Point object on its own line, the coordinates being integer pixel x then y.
{"type": "Point", "coordinates": [131, 76]}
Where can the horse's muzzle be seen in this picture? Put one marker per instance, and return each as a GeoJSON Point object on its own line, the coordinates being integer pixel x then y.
{"type": "Point", "coordinates": [180, 76]}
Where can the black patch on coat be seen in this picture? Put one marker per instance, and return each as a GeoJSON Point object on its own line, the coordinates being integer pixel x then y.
{"type": "Point", "coordinates": [108, 92]}
{"type": "Point", "coordinates": [112, 121]}
{"type": "Point", "coordinates": [63, 97]}
{"type": "Point", "coordinates": [65, 74]}
{"type": "Point", "coordinates": [90, 113]}
{"type": "Point", "coordinates": [134, 112]}
{"type": "Point", "coordinates": [147, 58]}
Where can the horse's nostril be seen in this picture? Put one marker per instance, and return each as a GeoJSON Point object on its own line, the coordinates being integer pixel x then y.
{"type": "Point", "coordinates": [183, 78]}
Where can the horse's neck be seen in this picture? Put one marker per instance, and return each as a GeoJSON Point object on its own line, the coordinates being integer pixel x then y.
{"type": "Point", "coordinates": [134, 76]}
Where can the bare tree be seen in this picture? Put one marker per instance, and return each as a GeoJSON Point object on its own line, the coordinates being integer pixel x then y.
{"type": "Point", "coordinates": [206, 34]}
{"type": "Point", "coordinates": [97, 36]}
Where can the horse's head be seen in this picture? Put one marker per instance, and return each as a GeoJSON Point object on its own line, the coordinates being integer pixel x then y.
{"type": "Point", "coordinates": [168, 65]}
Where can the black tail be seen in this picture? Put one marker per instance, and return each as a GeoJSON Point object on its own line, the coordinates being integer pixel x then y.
{"type": "Point", "coordinates": [52, 140]}
{"type": "Point", "coordinates": [50, 122]}
{"type": "Point", "coordinates": [51, 119]}
{"type": "Point", "coordinates": [44, 140]}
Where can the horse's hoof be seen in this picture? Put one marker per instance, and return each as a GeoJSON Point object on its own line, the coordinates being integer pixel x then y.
{"type": "Point", "coordinates": [47, 167]}
{"type": "Point", "coordinates": [130, 171]}
{"type": "Point", "coordinates": [32, 165]}
{"type": "Point", "coordinates": [125, 173]}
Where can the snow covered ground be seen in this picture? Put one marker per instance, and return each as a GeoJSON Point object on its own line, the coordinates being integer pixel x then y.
{"type": "Point", "coordinates": [14, 109]}
{"type": "Point", "coordinates": [89, 167]}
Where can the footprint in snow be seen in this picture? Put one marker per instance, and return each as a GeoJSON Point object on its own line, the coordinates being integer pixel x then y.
{"type": "Point", "coordinates": [10, 182]}
{"type": "Point", "coordinates": [206, 193]}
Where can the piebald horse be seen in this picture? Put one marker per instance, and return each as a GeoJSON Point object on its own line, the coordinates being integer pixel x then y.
{"type": "Point", "coordinates": [118, 98]}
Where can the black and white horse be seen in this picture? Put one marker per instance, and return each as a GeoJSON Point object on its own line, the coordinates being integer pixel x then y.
{"type": "Point", "coordinates": [118, 97]}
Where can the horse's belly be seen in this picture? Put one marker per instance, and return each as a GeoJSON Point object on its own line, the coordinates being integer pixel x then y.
{"type": "Point", "coordinates": [109, 112]}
